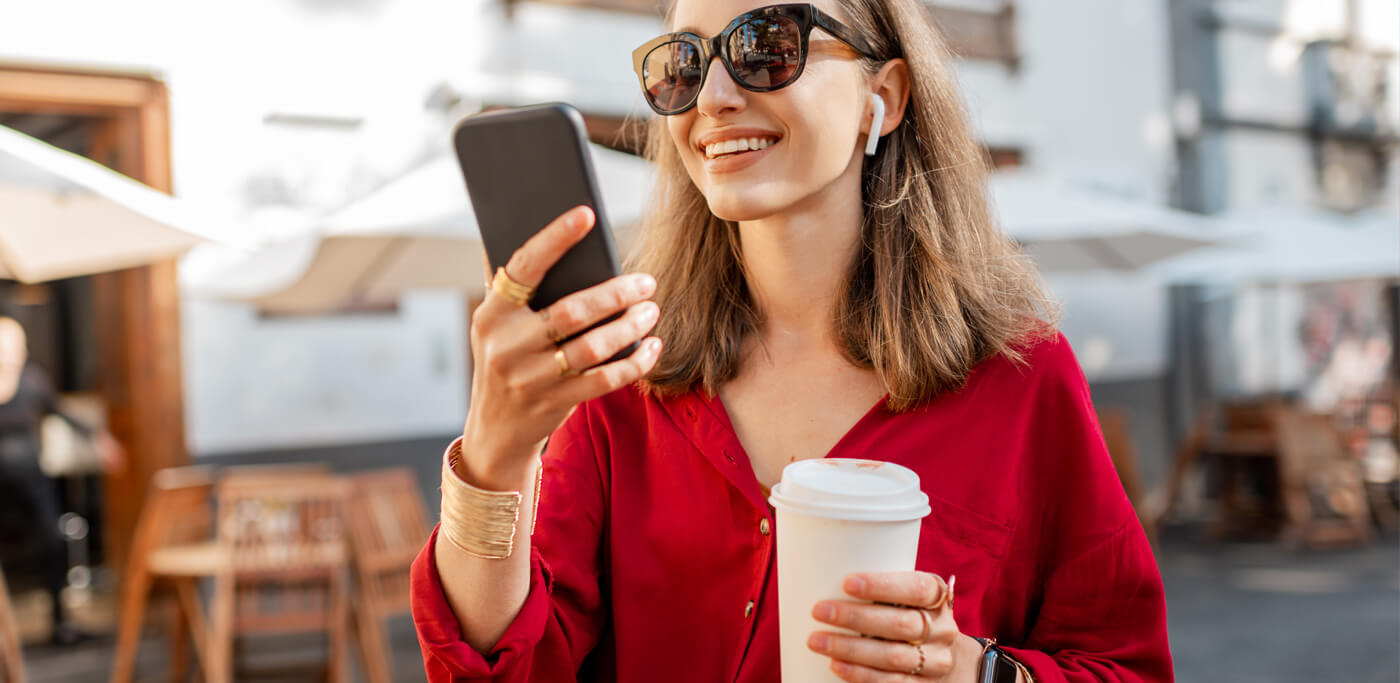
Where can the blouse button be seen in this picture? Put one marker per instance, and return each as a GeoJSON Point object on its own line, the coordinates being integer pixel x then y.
{"type": "Point", "coordinates": [748, 610]}
{"type": "Point", "coordinates": [763, 527]}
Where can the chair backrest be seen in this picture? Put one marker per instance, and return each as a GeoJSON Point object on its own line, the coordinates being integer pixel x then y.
{"type": "Point", "coordinates": [11, 657]}
{"type": "Point", "coordinates": [388, 525]}
{"type": "Point", "coordinates": [178, 509]}
{"type": "Point", "coordinates": [285, 539]}
{"type": "Point", "coordinates": [274, 471]}
{"type": "Point", "coordinates": [1308, 443]}
{"type": "Point", "coordinates": [282, 524]}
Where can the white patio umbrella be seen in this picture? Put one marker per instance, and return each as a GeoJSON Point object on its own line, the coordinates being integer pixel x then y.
{"type": "Point", "coordinates": [62, 215]}
{"type": "Point", "coordinates": [1296, 246]}
{"type": "Point", "coordinates": [417, 232]}
{"type": "Point", "coordinates": [1068, 229]}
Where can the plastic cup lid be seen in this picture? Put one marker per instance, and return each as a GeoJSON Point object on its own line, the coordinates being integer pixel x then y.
{"type": "Point", "coordinates": [851, 489]}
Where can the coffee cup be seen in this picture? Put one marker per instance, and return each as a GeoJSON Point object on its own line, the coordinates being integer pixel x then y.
{"type": "Point", "coordinates": [837, 516]}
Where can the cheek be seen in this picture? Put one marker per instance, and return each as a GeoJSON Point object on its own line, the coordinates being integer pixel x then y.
{"type": "Point", "coordinates": [679, 129]}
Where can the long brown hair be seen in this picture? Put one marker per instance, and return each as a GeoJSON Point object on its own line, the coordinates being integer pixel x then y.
{"type": "Point", "coordinates": [934, 287]}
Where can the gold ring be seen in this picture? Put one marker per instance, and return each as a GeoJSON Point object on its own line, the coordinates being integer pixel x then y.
{"type": "Point", "coordinates": [564, 369]}
{"type": "Point", "coordinates": [549, 331]}
{"type": "Point", "coordinates": [944, 595]}
{"type": "Point", "coordinates": [920, 668]}
{"type": "Point", "coordinates": [928, 628]}
{"type": "Point", "coordinates": [510, 290]}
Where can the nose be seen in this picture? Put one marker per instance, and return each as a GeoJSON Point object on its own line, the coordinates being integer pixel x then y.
{"type": "Point", "coordinates": [720, 94]}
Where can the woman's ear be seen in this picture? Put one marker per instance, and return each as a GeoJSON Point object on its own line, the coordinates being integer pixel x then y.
{"type": "Point", "coordinates": [891, 83]}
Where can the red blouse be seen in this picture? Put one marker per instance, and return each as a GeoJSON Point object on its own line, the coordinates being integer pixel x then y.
{"type": "Point", "coordinates": [651, 560]}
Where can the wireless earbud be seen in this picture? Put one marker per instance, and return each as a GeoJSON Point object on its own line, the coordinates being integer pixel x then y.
{"type": "Point", "coordinates": [878, 104]}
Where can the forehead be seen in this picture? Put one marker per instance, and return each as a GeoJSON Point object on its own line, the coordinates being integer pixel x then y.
{"type": "Point", "coordinates": [708, 17]}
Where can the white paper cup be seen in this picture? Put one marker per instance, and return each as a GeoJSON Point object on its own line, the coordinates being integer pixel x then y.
{"type": "Point", "coordinates": [837, 516]}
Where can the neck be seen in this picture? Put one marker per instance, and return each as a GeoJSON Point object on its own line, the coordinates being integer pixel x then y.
{"type": "Point", "coordinates": [797, 263]}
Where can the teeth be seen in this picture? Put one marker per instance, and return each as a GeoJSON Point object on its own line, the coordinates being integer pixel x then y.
{"type": "Point", "coordinates": [737, 145]}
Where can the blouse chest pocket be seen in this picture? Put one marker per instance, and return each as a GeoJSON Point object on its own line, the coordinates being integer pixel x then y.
{"type": "Point", "coordinates": [956, 541]}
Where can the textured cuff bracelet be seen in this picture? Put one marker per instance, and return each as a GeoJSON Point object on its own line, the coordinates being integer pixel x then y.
{"type": "Point", "coordinates": [481, 523]}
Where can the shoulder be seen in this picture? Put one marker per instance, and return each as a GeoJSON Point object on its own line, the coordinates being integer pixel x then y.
{"type": "Point", "coordinates": [34, 381]}
{"type": "Point", "coordinates": [1043, 364]}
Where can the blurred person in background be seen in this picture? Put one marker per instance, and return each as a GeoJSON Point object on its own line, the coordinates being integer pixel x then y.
{"type": "Point", "coordinates": [796, 280]}
{"type": "Point", "coordinates": [26, 397]}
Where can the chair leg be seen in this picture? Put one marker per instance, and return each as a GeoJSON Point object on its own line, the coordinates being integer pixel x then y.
{"type": "Point", "coordinates": [136, 592]}
{"type": "Point", "coordinates": [339, 629]}
{"type": "Point", "coordinates": [220, 642]}
{"type": "Point", "coordinates": [11, 656]}
{"type": "Point", "coordinates": [187, 593]}
{"type": "Point", "coordinates": [374, 650]}
{"type": "Point", "coordinates": [179, 643]}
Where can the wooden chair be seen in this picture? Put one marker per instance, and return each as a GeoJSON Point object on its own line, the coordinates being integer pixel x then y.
{"type": "Point", "coordinates": [286, 546]}
{"type": "Point", "coordinates": [1239, 442]}
{"type": "Point", "coordinates": [174, 545]}
{"type": "Point", "coordinates": [11, 657]}
{"type": "Point", "coordinates": [388, 524]}
{"type": "Point", "coordinates": [1324, 491]}
{"type": "Point", "coordinates": [1119, 439]}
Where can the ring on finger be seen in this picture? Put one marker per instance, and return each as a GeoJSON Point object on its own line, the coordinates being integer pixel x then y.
{"type": "Point", "coordinates": [549, 331]}
{"type": "Point", "coordinates": [928, 628]}
{"type": "Point", "coordinates": [563, 362]}
{"type": "Point", "coordinates": [510, 290]}
{"type": "Point", "coordinates": [945, 593]}
{"type": "Point", "coordinates": [920, 668]}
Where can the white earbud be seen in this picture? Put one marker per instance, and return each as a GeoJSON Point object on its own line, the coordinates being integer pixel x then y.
{"type": "Point", "coordinates": [878, 104]}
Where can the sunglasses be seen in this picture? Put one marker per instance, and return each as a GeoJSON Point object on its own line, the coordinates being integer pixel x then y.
{"type": "Point", "coordinates": [763, 50]}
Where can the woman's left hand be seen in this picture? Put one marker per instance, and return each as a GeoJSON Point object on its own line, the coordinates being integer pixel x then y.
{"type": "Point", "coordinates": [908, 635]}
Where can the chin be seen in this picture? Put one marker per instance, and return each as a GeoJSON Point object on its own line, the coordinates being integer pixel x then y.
{"type": "Point", "coordinates": [746, 203]}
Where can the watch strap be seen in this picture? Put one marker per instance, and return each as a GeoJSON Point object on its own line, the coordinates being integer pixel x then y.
{"type": "Point", "coordinates": [998, 666]}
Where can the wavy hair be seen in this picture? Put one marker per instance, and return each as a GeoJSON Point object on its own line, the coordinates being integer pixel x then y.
{"type": "Point", "coordinates": [934, 287]}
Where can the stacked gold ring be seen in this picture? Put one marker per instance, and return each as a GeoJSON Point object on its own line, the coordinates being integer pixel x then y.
{"type": "Point", "coordinates": [510, 290]}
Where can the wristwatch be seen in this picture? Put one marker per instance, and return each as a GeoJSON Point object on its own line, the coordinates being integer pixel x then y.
{"type": "Point", "coordinates": [997, 665]}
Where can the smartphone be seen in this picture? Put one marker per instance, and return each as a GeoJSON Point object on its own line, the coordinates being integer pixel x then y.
{"type": "Point", "coordinates": [523, 168]}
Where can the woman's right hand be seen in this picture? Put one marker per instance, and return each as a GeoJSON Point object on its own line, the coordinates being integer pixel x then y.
{"type": "Point", "coordinates": [519, 393]}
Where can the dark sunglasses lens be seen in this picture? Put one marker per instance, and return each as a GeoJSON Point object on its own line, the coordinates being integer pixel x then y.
{"type": "Point", "coordinates": [766, 51]}
{"type": "Point", "coordinates": [672, 73]}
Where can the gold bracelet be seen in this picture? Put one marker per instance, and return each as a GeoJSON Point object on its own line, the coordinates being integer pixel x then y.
{"type": "Point", "coordinates": [479, 522]}
{"type": "Point", "coordinates": [1026, 676]}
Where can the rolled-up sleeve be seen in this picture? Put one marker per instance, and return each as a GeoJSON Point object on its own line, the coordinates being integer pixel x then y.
{"type": "Point", "coordinates": [1103, 618]}
{"type": "Point", "coordinates": [558, 624]}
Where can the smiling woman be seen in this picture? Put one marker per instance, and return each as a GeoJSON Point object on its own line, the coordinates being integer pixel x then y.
{"type": "Point", "coordinates": [814, 300]}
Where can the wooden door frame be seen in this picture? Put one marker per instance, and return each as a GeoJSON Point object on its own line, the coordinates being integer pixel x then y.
{"type": "Point", "coordinates": [136, 311]}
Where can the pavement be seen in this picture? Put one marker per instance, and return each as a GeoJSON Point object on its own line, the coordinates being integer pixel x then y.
{"type": "Point", "coordinates": [1237, 613]}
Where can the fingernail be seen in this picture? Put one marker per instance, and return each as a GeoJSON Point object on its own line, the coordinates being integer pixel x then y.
{"type": "Point", "coordinates": [646, 284]}
{"type": "Point", "coordinates": [581, 217]}
{"type": "Point", "coordinates": [649, 312]}
{"type": "Point", "coordinates": [840, 668]}
{"type": "Point", "coordinates": [824, 611]}
{"type": "Point", "coordinates": [855, 585]}
{"type": "Point", "coordinates": [818, 642]}
{"type": "Point", "coordinates": [653, 346]}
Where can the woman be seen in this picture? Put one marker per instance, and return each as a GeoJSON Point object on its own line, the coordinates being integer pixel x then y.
{"type": "Point", "coordinates": [797, 283]}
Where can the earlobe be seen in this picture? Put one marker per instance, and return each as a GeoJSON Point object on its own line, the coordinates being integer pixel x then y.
{"type": "Point", "coordinates": [877, 120]}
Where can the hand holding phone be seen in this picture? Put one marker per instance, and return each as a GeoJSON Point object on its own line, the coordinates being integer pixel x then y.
{"type": "Point", "coordinates": [581, 336]}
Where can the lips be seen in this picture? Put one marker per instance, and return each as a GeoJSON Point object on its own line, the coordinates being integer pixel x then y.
{"type": "Point", "coordinates": [733, 141]}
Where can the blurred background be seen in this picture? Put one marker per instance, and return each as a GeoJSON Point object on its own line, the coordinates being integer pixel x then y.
{"type": "Point", "coordinates": [1209, 186]}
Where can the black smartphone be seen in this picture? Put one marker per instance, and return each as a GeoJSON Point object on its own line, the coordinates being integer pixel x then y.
{"type": "Point", "coordinates": [523, 168]}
